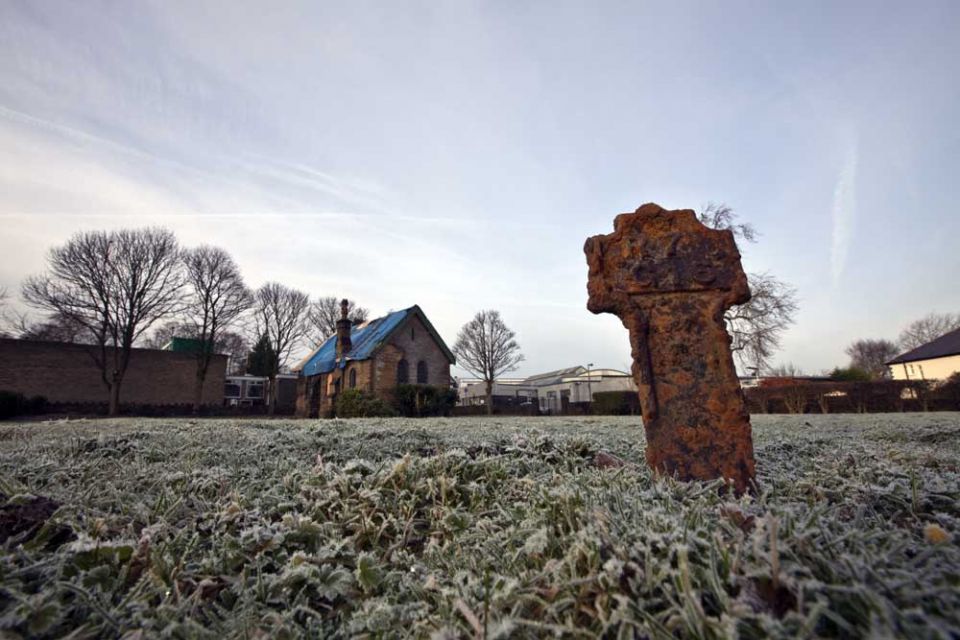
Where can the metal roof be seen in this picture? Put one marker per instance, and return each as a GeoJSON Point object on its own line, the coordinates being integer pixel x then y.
{"type": "Point", "coordinates": [183, 345]}
{"type": "Point", "coordinates": [365, 339]}
{"type": "Point", "coordinates": [553, 377]}
{"type": "Point", "coordinates": [946, 345]}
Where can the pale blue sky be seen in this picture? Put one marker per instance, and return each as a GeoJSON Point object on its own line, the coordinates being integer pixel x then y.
{"type": "Point", "coordinates": [456, 155]}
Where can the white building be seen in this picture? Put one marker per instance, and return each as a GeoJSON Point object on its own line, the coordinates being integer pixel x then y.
{"type": "Point", "coordinates": [473, 391]}
{"type": "Point", "coordinates": [551, 392]}
{"type": "Point", "coordinates": [247, 390]}
{"type": "Point", "coordinates": [935, 360]}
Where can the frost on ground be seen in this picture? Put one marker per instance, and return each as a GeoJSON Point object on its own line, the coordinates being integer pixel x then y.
{"type": "Point", "coordinates": [475, 528]}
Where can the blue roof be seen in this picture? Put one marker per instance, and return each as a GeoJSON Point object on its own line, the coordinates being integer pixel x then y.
{"type": "Point", "coordinates": [364, 340]}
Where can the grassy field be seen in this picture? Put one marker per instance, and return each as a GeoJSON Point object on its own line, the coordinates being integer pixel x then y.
{"type": "Point", "coordinates": [491, 528]}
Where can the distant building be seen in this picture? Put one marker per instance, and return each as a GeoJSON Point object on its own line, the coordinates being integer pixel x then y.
{"type": "Point", "coordinates": [474, 389]}
{"type": "Point", "coordinates": [250, 391]}
{"type": "Point", "coordinates": [236, 363]}
{"type": "Point", "coordinates": [400, 348]}
{"type": "Point", "coordinates": [550, 392]}
{"type": "Point", "coordinates": [935, 360]}
{"type": "Point", "coordinates": [184, 345]}
{"type": "Point", "coordinates": [749, 382]}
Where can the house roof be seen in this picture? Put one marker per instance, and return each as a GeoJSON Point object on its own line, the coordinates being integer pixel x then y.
{"type": "Point", "coordinates": [365, 340]}
{"type": "Point", "coordinates": [946, 345]}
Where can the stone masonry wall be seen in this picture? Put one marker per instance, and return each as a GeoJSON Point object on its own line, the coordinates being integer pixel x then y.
{"type": "Point", "coordinates": [63, 372]}
{"type": "Point", "coordinates": [416, 343]}
{"type": "Point", "coordinates": [384, 371]}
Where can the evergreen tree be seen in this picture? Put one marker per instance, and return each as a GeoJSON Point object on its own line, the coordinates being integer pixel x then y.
{"type": "Point", "coordinates": [262, 360]}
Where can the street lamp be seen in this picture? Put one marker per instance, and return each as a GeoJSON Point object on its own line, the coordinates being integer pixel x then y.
{"type": "Point", "coordinates": [589, 385]}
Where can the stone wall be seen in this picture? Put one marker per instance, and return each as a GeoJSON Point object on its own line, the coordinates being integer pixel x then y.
{"type": "Point", "coordinates": [416, 344]}
{"type": "Point", "coordinates": [63, 372]}
{"type": "Point", "coordinates": [384, 371]}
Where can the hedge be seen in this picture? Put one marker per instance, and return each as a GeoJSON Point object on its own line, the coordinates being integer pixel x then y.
{"type": "Point", "coordinates": [877, 396]}
{"type": "Point", "coordinates": [13, 404]}
{"type": "Point", "coordinates": [414, 400]}
{"type": "Point", "coordinates": [616, 403]}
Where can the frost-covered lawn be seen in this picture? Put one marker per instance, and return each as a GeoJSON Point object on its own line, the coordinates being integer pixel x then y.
{"type": "Point", "coordinates": [473, 527]}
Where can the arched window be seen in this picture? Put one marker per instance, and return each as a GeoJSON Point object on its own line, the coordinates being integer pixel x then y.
{"type": "Point", "coordinates": [403, 372]}
{"type": "Point", "coordinates": [421, 372]}
{"type": "Point", "coordinates": [353, 378]}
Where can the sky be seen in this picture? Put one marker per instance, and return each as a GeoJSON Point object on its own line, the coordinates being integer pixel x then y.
{"type": "Point", "coordinates": [456, 154]}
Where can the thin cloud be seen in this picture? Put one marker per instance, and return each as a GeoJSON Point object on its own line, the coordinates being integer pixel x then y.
{"type": "Point", "coordinates": [844, 211]}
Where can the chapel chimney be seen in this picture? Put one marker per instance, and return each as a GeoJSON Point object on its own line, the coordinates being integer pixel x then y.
{"type": "Point", "coordinates": [343, 330]}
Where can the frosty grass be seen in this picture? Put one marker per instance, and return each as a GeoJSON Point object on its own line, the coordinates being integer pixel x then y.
{"type": "Point", "coordinates": [479, 528]}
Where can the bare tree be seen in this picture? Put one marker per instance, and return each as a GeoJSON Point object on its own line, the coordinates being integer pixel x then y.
{"type": "Point", "coordinates": [756, 326]}
{"type": "Point", "coordinates": [115, 284]}
{"type": "Point", "coordinates": [786, 370]}
{"type": "Point", "coordinates": [930, 327]}
{"type": "Point", "coordinates": [722, 216]}
{"type": "Point", "coordinates": [55, 328]}
{"type": "Point", "coordinates": [280, 314]}
{"type": "Point", "coordinates": [872, 356]}
{"type": "Point", "coordinates": [236, 347]}
{"type": "Point", "coordinates": [160, 337]}
{"type": "Point", "coordinates": [217, 299]}
{"type": "Point", "coordinates": [4, 320]}
{"type": "Point", "coordinates": [486, 347]}
{"type": "Point", "coordinates": [325, 312]}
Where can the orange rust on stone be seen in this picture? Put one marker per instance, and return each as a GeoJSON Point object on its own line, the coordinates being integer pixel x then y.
{"type": "Point", "coordinates": [670, 279]}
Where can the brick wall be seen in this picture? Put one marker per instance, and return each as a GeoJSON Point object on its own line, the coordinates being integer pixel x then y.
{"type": "Point", "coordinates": [64, 372]}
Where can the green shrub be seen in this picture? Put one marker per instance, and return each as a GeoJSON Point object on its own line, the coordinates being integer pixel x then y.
{"type": "Point", "coordinates": [414, 400]}
{"type": "Point", "coordinates": [354, 403]}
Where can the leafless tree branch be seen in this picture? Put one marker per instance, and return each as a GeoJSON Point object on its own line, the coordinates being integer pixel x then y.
{"type": "Point", "coordinates": [324, 313]}
{"type": "Point", "coordinates": [757, 326]}
{"type": "Point", "coordinates": [115, 285]}
{"type": "Point", "coordinates": [55, 328]}
{"type": "Point", "coordinates": [926, 329]}
{"type": "Point", "coordinates": [722, 216]}
{"type": "Point", "coordinates": [280, 314]}
{"type": "Point", "coordinates": [231, 343]}
{"type": "Point", "coordinates": [871, 356]}
{"type": "Point", "coordinates": [217, 299]}
{"type": "Point", "coordinates": [486, 347]}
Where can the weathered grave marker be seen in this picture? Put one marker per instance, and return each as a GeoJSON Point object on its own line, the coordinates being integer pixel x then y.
{"type": "Point", "coordinates": [670, 279]}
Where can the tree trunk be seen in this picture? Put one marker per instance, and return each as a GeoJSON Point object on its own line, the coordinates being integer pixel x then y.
{"type": "Point", "coordinates": [114, 398]}
{"type": "Point", "coordinates": [203, 365]}
{"type": "Point", "coordinates": [824, 403]}
{"type": "Point", "coordinates": [272, 397]}
{"type": "Point", "coordinates": [489, 398]}
{"type": "Point", "coordinates": [198, 394]}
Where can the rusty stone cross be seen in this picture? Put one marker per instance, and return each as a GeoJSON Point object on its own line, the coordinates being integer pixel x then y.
{"type": "Point", "coordinates": [670, 279]}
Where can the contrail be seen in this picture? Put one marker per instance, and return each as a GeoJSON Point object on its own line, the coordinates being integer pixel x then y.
{"type": "Point", "coordinates": [844, 211]}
